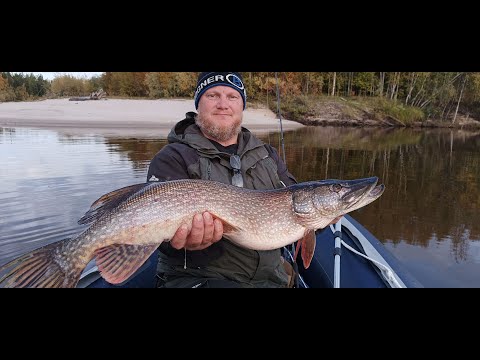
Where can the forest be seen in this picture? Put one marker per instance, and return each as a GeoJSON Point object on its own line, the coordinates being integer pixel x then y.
{"type": "Point", "coordinates": [405, 97]}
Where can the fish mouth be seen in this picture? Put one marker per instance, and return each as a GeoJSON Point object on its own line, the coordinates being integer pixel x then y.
{"type": "Point", "coordinates": [362, 191]}
{"type": "Point", "coordinates": [376, 191]}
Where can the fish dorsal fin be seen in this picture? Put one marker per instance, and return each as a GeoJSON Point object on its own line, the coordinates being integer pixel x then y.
{"type": "Point", "coordinates": [109, 201]}
{"type": "Point", "coordinates": [307, 243]}
{"type": "Point", "coordinates": [118, 262]}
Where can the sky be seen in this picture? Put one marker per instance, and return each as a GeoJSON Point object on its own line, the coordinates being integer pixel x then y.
{"type": "Point", "coordinates": [52, 75]}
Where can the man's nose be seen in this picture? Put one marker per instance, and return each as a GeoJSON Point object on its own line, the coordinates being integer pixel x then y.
{"type": "Point", "coordinates": [222, 101]}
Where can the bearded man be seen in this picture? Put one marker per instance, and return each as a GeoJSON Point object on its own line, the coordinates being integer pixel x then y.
{"type": "Point", "coordinates": [212, 145]}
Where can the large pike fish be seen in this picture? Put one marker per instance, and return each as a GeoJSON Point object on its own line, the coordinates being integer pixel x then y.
{"type": "Point", "coordinates": [128, 224]}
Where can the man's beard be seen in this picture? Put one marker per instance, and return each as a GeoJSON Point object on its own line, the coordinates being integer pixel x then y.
{"type": "Point", "coordinates": [217, 132]}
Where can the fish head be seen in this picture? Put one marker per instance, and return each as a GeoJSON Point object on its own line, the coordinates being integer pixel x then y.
{"type": "Point", "coordinates": [317, 203]}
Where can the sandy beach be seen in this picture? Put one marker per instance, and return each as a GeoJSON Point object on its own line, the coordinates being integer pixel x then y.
{"type": "Point", "coordinates": [121, 114]}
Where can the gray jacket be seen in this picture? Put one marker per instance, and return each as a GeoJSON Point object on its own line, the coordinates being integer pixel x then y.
{"type": "Point", "coordinates": [190, 155]}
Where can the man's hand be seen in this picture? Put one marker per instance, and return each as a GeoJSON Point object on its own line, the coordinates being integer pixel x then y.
{"type": "Point", "coordinates": [205, 231]}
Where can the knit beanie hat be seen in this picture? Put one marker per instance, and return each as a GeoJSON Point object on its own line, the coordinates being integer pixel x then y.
{"type": "Point", "coordinates": [206, 80]}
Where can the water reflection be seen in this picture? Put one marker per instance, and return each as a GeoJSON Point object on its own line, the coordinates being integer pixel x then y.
{"type": "Point", "coordinates": [432, 178]}
{"type": "Point", "coordinates": [138, 151]}
{"type": "Point", "coordinates": [428, 215]}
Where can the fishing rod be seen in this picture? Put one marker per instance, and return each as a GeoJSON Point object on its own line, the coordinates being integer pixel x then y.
{"type": "Point", "coordinates": [282, 143]}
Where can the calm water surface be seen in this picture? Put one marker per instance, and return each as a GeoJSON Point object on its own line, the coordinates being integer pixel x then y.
{"type": "Point", "coordinates": [428, 216]}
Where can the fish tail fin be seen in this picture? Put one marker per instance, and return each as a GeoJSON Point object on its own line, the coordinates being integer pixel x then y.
{"type": "Point", "coordinates": [38, 269]}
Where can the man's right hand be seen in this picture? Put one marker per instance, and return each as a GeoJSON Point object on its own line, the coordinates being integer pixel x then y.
{"type": "Point", "coordinates": [204, 232]}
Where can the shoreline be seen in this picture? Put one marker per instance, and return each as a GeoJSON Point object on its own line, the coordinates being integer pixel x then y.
{"type": "Point", "coordinates": [109, 114]}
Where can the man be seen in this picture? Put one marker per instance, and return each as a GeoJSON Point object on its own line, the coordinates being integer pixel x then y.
{"type": "Point", "coordinates": [211, 144]}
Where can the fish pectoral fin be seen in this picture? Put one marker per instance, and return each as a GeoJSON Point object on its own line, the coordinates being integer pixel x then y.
{"type": "Point", "coordinates": [307, 243]}
{"type": "Point", "coordinates": [118, 262]}
{"type": "Point", "coordinates": [228, 229]}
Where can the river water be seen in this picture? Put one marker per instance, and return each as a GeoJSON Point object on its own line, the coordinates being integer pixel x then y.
{"type": "Point", "coordinates": [428, 216]}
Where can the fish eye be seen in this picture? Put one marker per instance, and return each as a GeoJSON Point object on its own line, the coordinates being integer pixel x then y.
{"type": "Point", "coordinates": [336, 188]}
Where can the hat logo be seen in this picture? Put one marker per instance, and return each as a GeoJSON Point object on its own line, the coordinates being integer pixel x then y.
{"type": "Point", "coordinates": [235, 81]}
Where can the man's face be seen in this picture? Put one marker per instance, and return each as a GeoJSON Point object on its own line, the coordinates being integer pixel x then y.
{"type": "Point", "coordinates": [220, 113]}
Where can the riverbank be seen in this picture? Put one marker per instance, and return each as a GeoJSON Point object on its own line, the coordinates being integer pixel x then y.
{"type": "Point", "coordinates": [364, 111]}
{"type": "Point", "coordinates": [158, 115]}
